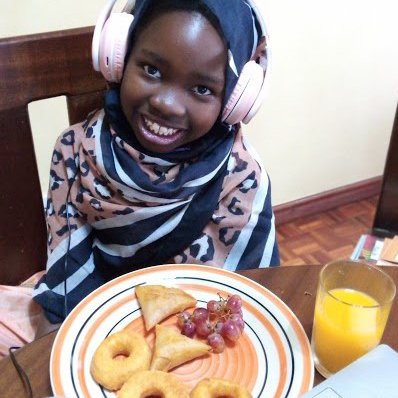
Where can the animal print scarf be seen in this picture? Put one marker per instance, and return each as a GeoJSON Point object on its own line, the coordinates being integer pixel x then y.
{"type": "Point", "coordinates": [113, 208]}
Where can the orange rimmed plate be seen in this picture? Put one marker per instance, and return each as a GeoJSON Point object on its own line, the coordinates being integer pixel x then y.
{"type": "Point", "coordinates": [272, 357]}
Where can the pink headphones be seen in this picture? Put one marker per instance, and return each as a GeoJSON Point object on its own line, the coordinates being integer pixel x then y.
{"type": "Point", "coordinates": [109, 47]}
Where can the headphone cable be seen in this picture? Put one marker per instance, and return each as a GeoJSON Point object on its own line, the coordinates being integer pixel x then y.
{"type": "Point", "coordinates": [21, 373]}
{"type": "Point", "coordinates": [69, 243]}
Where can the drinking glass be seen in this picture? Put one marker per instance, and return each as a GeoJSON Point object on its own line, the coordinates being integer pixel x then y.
{"type": "Point", "coordinates": [352, 306]}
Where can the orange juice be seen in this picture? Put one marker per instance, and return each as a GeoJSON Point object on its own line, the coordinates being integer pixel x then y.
{"type": "Point", "coordinates": [347, 324]}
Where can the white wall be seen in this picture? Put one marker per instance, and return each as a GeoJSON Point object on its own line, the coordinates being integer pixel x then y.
{"type": "Point", "coordinates": [330, 107]}
{"type": "Point", "coordinates": [334, 92]}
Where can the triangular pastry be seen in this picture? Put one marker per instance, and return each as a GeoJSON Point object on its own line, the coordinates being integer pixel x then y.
{"type": "Point", "coordinates": [173, 349]}
{"type": "Point", "coordinates": [158, 302]}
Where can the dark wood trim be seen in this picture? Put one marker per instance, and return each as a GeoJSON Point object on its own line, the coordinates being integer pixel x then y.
{"type": "Point", "coordinates": [327, 200]}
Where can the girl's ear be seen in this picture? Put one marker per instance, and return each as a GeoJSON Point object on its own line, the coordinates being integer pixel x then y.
{"type": "Point", "coordinates": [260, 55]}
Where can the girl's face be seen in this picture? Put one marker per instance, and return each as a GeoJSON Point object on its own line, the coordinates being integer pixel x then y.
{"type": "Point", "coordinates": [173, 83]}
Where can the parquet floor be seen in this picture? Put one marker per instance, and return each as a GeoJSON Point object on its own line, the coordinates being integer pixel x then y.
{"type": "Point", "coordinates": [327, 236]}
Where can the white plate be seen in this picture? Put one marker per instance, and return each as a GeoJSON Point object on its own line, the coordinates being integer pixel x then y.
{"type": "Point", "coordinates": [272, 358]}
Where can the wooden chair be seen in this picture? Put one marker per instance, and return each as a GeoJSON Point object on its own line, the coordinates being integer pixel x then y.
{"type": "Point", "coordinates": [35, 67]}
{"type": "Point", "coordinates": [386, 217]}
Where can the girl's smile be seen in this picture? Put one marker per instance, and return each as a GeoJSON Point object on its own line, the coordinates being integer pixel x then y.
{"type": "Point", "coordinates": [173, 84]}
{"type": "Point", "coordinates": [158, 133]}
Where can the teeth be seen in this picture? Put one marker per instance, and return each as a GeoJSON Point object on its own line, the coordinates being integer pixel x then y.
{"type": "Point", "coordinates": [163, 131]}
{"type": "Point", "coordinates": [157, 129]}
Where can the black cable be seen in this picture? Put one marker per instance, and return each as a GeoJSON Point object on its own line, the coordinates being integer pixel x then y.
{"type": "Point", "coordinates": [68, 245]}
{"type": "Point", "coordinates": [66, 260]}
{"type": "Point", "coordinates": [21, 373]}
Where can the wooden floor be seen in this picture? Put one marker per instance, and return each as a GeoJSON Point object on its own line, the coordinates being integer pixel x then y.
{"type": "Point", "coordinates": [323, 237]}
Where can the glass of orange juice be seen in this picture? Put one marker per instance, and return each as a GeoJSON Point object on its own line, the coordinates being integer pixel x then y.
{"type": "Point", "coordinates": [352, 306]}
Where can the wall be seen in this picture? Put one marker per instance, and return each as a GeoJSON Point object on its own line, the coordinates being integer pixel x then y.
{"type": "Point", "coordinates": [330, 106]}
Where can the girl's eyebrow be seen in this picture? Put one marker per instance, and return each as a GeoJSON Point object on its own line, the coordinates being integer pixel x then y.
{"type": "Point", "coordinates": [206, 77]}
{"type": "Point", "coordinates": [154, 56]}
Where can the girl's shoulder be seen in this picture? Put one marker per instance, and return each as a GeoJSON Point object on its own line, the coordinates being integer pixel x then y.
{"type": "Point", "coordinates": [244, 158]}
{"type": "Point", "coordinates": [246, 173]}
{"type": "Point", "coordinates": [74, 135]}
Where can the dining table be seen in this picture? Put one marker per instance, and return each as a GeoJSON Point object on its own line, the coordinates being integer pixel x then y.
{"type": "Point", "coordinates": [295, 285]}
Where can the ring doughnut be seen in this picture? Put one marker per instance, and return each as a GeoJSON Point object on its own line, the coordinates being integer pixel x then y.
{"type": "Point", "coordinates": [112, 372]}
{"type": "Point", "coordinates": [153, 383]}
{"type": "Point", "coordinates": [216, 388]}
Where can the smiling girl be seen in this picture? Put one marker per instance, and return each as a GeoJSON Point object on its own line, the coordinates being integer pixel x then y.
{"type": "Point", "coordinates": [162, 174]}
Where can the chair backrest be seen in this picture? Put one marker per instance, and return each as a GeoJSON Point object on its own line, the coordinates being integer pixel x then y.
{"type": "Point", "coordinates": [386, 218]}
{"type": "Point", "coordinates": [35, 67]}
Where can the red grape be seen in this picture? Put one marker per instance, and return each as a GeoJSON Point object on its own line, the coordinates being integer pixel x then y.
{"type": "Point", "coordinates": [188, 329]}
{"type": "Point", "coordinates": [182, 318]}
{"type": "Point", "coordinates": [203, 329]}
{"type": "Point", "coordinates": [234, 303]}
{"type": "Point", "coordinates": [230, 331]}
{"type": "Point", "coordinates": [238, 320]}
{"type": "Point", "coordinates": [214, 306]}
{"type": "Point", "coordinates": [200, 315]}
{"type": "Point", "coordinates": [218, 326]}
{"type": "Point", "coordinates": [216, 342]}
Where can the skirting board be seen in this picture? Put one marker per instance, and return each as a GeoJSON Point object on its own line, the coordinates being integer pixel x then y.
{"type": "Point", "coordinates": [327, 200]}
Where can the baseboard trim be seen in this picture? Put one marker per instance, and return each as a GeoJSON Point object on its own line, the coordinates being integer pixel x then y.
{"type": "Point", "coordinates": [327, 200]}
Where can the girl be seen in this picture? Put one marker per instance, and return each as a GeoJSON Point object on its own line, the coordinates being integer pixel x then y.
{"type": "Point", "coordinates": [162, 174]}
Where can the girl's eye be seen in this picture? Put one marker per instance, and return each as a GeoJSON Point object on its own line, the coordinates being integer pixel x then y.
{"type": "Point", "coordinates": [151, 71]}
{"type": "Point", "coordinates": [202, 90]}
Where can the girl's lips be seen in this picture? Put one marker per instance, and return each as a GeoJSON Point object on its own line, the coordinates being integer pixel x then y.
{"type": "Point", "coordinates": [157, 128]}
{"type": "Point", "coordinates": [157, 137]}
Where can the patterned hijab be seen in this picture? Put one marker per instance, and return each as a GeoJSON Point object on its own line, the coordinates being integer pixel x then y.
{"type": "Point", "coordinates": [114, 207]}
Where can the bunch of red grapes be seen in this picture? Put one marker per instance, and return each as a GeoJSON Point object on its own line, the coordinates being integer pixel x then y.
{"type": "Point", "coordinates": [222, 319]}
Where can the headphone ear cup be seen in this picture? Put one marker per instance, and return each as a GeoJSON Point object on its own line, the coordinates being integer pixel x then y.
{"type": "Point", "coordinates": [113, 46]}
{"type": "Point", "coordinates": [257, 103]}
{"type": "Point", "coordinates": [244, 94]}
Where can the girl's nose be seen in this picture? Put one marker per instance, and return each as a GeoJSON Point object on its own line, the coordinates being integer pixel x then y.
{"type": "Point", "coordinates": [169, 101]}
